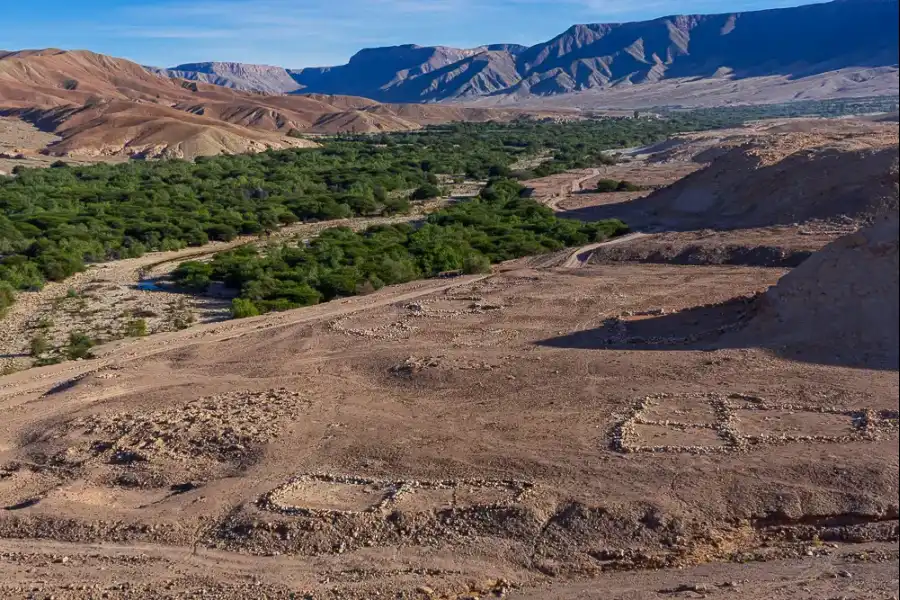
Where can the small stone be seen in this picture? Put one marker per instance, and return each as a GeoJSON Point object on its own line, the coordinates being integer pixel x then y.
{"type": "Point", "coordinates": [847, 574]}
{"type": "Point", "coordinates": [424, 589]}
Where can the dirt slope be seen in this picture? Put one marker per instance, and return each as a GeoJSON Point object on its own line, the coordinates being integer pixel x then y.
{"type": "Point", "coordinates": [840, 304]}
{"type": "Point", "coordinates": [782, 178]}
{"type": "Point", "coordinates": [101, 105]}
{"type": "Point", "coordinates": [445, 434]}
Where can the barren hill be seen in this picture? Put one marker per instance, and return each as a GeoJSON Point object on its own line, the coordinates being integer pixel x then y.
{"type": "Point", "coordinates": [101, 105]}
{"type": "Point", "coordinates": [780, 176]}
{"type": "Point", "coordinates": [240, 76]}
{"type": "Point", "coordinates": [847, 47]}
{"type": "Point", "coordinates": [846, 292]}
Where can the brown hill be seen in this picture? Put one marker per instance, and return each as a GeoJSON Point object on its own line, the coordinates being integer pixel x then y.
{"type": "Point", "coordinates": [102, 105]}
{"type": "Point", "coordinates": [840, 305]}
{"type": "Point", "coordinates": [788, 177]}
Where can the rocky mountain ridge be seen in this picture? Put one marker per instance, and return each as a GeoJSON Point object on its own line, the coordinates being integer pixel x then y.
{"type": "Point", "coordinates": [791, 42]}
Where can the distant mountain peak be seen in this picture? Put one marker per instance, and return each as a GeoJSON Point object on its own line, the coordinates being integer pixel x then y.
{"type": "Point", "coordinates": [804, 40]}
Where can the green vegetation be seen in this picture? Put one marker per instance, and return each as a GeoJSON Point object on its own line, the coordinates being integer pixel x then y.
{"type": "Point", "coordinates": [39, 346]}
{"type": "Point", "coordinates": [426, 192]}
{"type": "Point", "coordinates": [476, 263]}
{"type": "Point", "coordinates": [7, 297]}
{"type": "Point", "coordinates": [242, 308]}
{"type": "Point", "coordinates": [467, 237]}
{"type": "Point", "coordinates": [605, 186]}
{"type": "Point", "coordinates": [136, 328]}
{"type": "Point", "coordinates": [179, 315]}
{"type": "Point", "coordinates": [79, 346]}
{"type": "Point", "coordinates": [55, 221]}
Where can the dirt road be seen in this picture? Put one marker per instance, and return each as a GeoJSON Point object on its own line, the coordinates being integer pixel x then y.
{"type": "Point", "coordinates": [581, 256]}
{"type": "Point", "coordinates": [122, 351]}
{"type": "Point", "coordinates": [101, 300]}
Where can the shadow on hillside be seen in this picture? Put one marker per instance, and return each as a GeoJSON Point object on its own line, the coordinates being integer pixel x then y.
{"type": "Point", "coordinates": [709, 328]}
{"type": "Point", "coordinates": [641, 214]}
{"type": "Point", "coordinates": [46, 120]}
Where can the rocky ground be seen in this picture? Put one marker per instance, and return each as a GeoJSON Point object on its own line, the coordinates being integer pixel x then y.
{"type": "Point", "coordinates": [564, 427]}
{"type": "Point", "coordinates": [134, 297]}
{"type": "Point", "coordinates": [477, 431]}
{"type": "Point", "coordinates": [21, 143]}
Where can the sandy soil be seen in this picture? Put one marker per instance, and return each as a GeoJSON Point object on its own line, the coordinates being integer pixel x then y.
{"type": "Point", "coordinates": [559, 428]}
{"type": "Point", "coordinates": [104, 299]}
{"type": "Point", "coordinates": [777, 246]}
{"type": "Point", "coordinates": [617, 455]}
{"type": "Point", "coordinates": [21, 143]}
{"type": "Point", "coordinates": [692, 92]}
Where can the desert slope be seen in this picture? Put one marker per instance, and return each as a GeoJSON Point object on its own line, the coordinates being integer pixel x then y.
{"type": "Point", "coordinates": [105, 106]}
{"type": "Point", "coordinates": [781, 177]}
{"type": "Point", "coordinates": [846, 293]}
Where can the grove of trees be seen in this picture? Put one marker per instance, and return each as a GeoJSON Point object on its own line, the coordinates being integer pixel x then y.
{"type": "Point", "coordinates": [55, 221]}
{"type": "Point", "coordinates": [466, 237]}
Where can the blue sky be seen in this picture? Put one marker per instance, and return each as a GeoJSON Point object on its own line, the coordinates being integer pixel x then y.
{"type": "Point", "coordinates": [299, 33]}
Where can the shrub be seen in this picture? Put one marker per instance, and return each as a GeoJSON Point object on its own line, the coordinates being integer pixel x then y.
{"type": "Point", "coordinates": [523, 175]}
{"type": "Point", "coordinates": [79, 346]}
{"type": "Point", "coordinates": [627, 186]}
{"type": "Point", "coordinates": [180, 315]}
{"type": "Point", "coordinates": [221, 232]}
{"type": "Point", "coordinates": [7, 297]}
{"type": "Point", "coordinates": [39, 345]}
{"type": "Point", "coordinates": [242, 308]}
{"type": "Point", "coordinates": [605, 186]}
{"type": "Point", "coordinates": [193, 275]}
{"type": "Point", "coordinates": [476, 263]}
{"type": "Point", "coordinates": [426, 192]}
{"type": "Point", "coordinates": [136, 328]}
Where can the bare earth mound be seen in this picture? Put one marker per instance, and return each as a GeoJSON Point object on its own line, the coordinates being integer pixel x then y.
{"type": "Point", "coordinates": [841, 304]}
{"type": "Point", "coordinates": [785, 178]}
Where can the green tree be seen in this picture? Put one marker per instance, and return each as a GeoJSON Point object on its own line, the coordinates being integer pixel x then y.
{"type": "Point", "coordinates": [242, 308]}
{"type": "Point", "coordinates": [426, 191]}
{"type": "Point", "coordinates": [193, 275]}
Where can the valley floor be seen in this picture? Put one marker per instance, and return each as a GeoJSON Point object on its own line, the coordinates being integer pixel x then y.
{"type": "Point", "coordinates": [590, 424]}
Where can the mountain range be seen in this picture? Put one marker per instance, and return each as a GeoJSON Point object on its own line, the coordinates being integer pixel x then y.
{"type": "Point", "coordinates": [794, 42]}
{"type": "Point", "coordinates": [99, 105]}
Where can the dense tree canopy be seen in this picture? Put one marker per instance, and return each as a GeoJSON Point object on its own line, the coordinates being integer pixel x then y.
{"type": "Point", "coordinates": [54, 221]}
{"type": "Point", "coordinates": [466, 237]}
